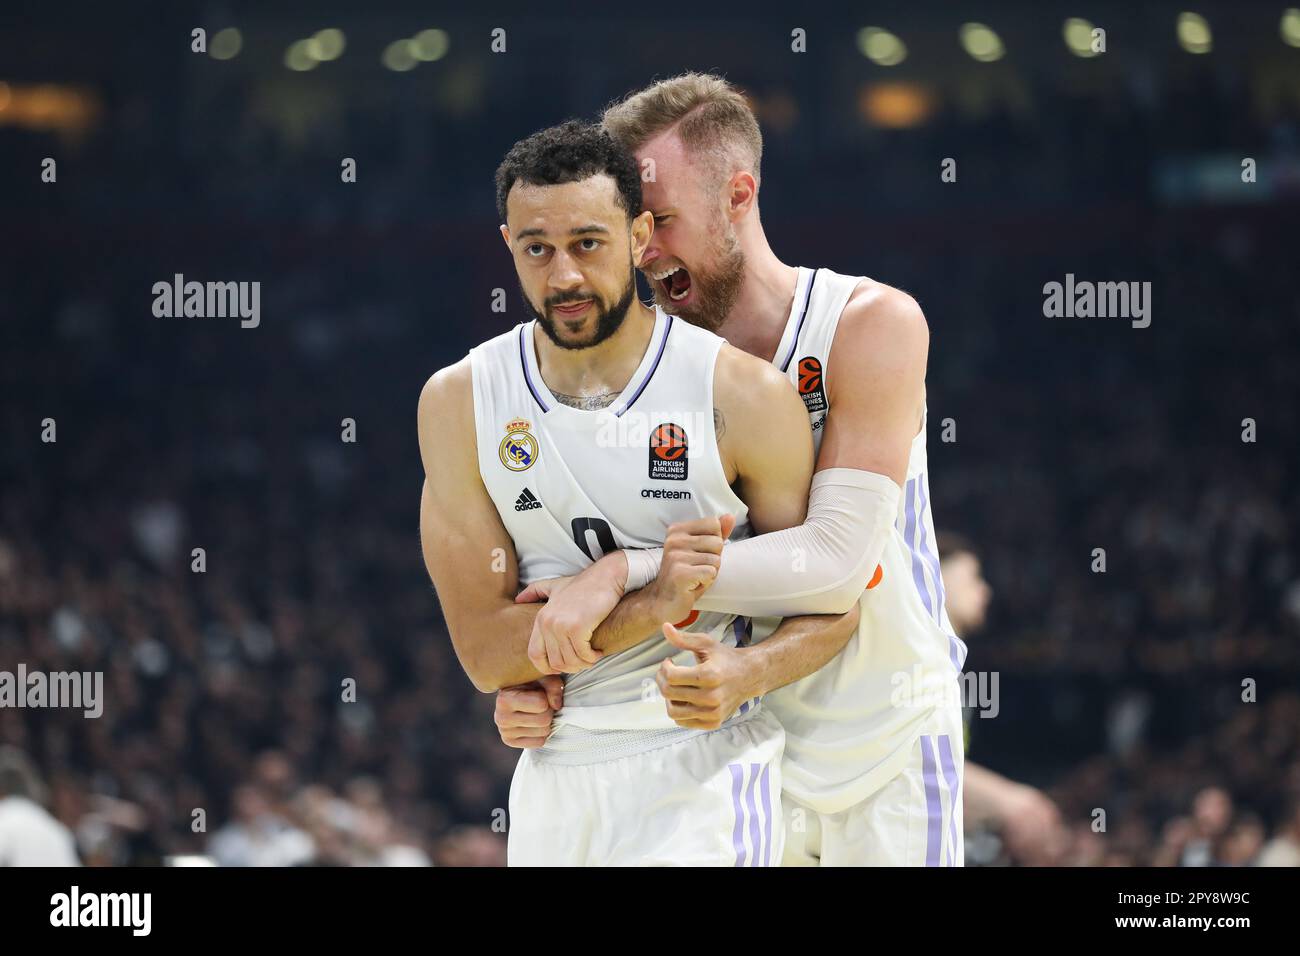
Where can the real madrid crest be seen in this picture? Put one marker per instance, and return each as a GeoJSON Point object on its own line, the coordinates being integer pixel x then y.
{"type": "Point", "coordinates": [519, 448]}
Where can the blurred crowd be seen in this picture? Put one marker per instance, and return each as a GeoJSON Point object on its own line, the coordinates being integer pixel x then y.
{"type": "Point", "coordinates": [229, 727]}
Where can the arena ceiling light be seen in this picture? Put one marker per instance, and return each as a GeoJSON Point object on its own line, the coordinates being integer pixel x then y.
{"type": "Point", "coordinates": [881, 47]}
{"type": "Point", "coordinates": [399, 57]}
{"type": "Point", "coordinates": [981, 42]}
{"type": "Point", "coordinates": [226, 44]}
{"type": "Point", "coordinates": [430, 45]}
{"type": "Point", "coordinates": [298, 57]}
{"type": "Point", "coordinates": [327, 44]}
{"type": "Point", "coordinates": [1078, 37]}
{"type": "Point", "coordinates": [1194, 33]}
{"type": "Point", "coordinates": [48, 106]}
{"type": "Point", "coordinates": [896, 105]}
{"type": "Point", "coordinates": [1290, 26]}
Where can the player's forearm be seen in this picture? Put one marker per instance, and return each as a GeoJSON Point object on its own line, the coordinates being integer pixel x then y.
{"type": "Point", "coordinates": [634, 620]}
{"type": "Point", "coordinates": [494, 650]}
{"type": "Point", "coordinates": [983, 793]}
{"type": "Point", "coordinates": [819, 567]}
{"type": "Point", "coordinates": [798, 647]}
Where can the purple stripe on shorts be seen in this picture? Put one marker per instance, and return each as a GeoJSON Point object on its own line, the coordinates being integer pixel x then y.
{"type": "Point", "coordinates": [909, 535]}
{"type": "Point", "coordinates": [738, 832]}
{"type": "Point", "coordinates": [933, 805]}
{"type": "Point", "coordinates": [950, 775]}
{"type": "Point", "coordinates": [755, 840]}
{"type": "Point", "coordinates": [767, 812]}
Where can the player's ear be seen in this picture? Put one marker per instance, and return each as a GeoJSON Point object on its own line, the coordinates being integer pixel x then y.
{"type": "Point", "coordinates": [742, 194]}
{"type": "Point", "coordinates": [643, 227]}
{"type": "Point", "coordinates": [505, 234]}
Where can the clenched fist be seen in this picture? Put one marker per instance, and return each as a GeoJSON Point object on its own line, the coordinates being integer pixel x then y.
{"type": "Point", "coordinates": [524, 713]}
{"type": "Point", "coordinates": [692, 556]}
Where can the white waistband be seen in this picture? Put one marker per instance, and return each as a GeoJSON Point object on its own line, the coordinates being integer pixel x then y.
{"type": "Point", "coordinates": [585, 738]}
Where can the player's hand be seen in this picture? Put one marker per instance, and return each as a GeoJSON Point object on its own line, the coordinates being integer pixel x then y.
{"type": "Point", "coordinates": [704, 695]}
{"type": "Point", "coordinates": [524, 713]}
{"type": "Point", "coordinates": [692, 556]}
{"type": "Point", "coordinates": [561, 638]}
{"type": "Point", "coordinates": [1030, 821]}
{"type": "Point", "coordinates": [542, 590]}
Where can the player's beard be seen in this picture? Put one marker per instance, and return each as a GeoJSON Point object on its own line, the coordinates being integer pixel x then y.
{"type": "Point", "coordinates": [715, 288]}
{"type": "Point", "coordinates": [608, 321]}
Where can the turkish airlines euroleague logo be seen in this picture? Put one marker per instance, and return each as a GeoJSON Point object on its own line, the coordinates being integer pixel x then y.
{"type": "Point", "coordinates": [810, 384]}
{"type": "Point", "coordinates": [668, 452]}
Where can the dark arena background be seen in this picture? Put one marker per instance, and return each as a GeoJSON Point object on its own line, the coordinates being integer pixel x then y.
{"type": "Point", "coordinates": [288, 694]}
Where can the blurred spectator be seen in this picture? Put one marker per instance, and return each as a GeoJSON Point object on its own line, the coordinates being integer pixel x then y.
{"type": "Point", "coordinates": [1026, 818]}
{"type": "Point", "coordinates": [29, 836]}
{"type": "Point", "coordinates": [1211, 816]}
{"type": "Point", "coordinates": [258, 836]}
{"type": "Point", "coordinates": [1284, 849]}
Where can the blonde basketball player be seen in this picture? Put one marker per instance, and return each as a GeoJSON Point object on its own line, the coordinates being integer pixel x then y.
{"type": "Point", "coordinates": [873, 761]}
{"type": "Point", "coordinates": [590, 429]}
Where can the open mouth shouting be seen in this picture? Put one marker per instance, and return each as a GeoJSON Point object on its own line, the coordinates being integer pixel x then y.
{"type": "Point", "coordinates": [674, 284]}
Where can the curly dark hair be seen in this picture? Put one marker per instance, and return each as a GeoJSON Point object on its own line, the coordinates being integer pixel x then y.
{"type": "Point", "coordinates": [566, 154]}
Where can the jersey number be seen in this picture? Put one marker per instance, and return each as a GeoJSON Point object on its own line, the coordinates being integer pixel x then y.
{"type": "Point", "coordinates": [604, 536]}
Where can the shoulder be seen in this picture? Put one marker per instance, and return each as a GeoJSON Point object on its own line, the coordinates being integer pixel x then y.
{"type": "Point", "coordinates": [684, 335]}
{"type": "Point", "coordinates": [756, 408]}
{"type": "Point", "coordinates": [876, 309]}
{"type": "Point", "coordinates": [445, 422]}
{"type": "Point", "coordinates": [451, 384]}
{"type": "Point", "coordinates": [446, 405]}
{"type": "Point", "coordinates": [742, 376]}
{"type": "Point", "coordinates": [880, 325]}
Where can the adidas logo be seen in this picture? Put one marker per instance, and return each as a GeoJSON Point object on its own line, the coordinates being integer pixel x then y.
{"type": "Point", "coordinates": [527, 501]}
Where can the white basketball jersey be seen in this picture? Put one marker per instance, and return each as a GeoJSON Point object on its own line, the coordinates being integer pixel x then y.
{"type": "Point", "coordinates": [573, 484]}
{"type": "Point", "coordinates": [851, 725]}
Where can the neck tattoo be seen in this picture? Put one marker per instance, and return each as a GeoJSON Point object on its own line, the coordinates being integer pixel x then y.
{"type": "Point", "coordinates": [587, 403]}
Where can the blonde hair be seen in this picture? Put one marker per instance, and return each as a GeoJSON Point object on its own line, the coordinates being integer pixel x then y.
{"type": "Point", "coordinates": [712, 118]}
